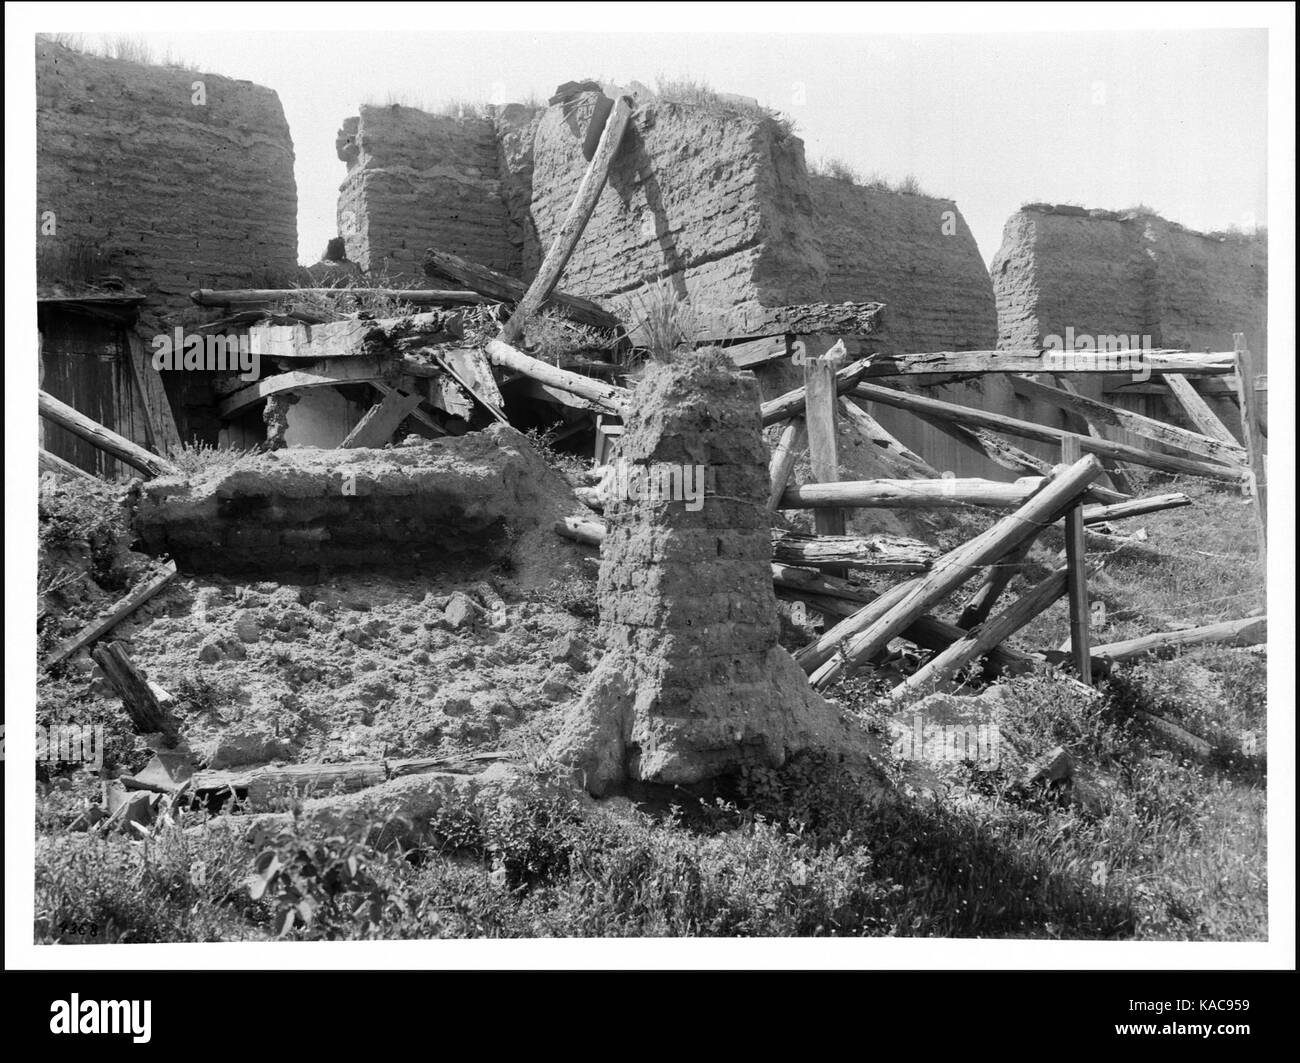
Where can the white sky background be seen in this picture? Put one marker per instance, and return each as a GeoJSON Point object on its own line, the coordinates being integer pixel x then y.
{"type": "Point", "coordinates": [1175, 120]}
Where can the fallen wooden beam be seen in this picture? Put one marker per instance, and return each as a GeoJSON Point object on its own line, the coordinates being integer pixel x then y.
{"type": "Point", "coordinates": [794, 438]}
{"type": "Point", "coordinates": [499, 287]}
{"type": "Point", "coordinates": [862, 636]}
{"type": "Point", "coordinates": [1136, 507]}
{"type": "Point", "coordinates": [138, 697]}
{"type": "Point", "coordinates": [575, 221]}
{"type": "Point", "coordinates": [885, 446]}
{"type": "Point", "coordinates": [885, 552]}
{"type": "Point", "coordinates": [1028, 429]}
{"type": "Point", "coordinates": [60, 413]}
{"type": "Point", "coordinates": [378, 423]}
{"type": "Point", "coordinates": [1198, 410]}
{"type": "Point", "coordinates": [468, 366]}
{"type": "Point", "coordinates": [974, 644]}
{"type": "Point", "coordinates": [1031, 361]}
{"type": "Point", "coordinates": [231, 297]}
{"type": "Point", "coordinates": [101, 626]}
{"type": "Point", "coordinates": [1114, 470]}
{"type": "Point", "coordinates": [753, 353]}
{"type": "Point", "coordinates": [945, 492]}
{"type": "Point", "coordinates": [1138, 424]}
{"type": "Point", "coordinates": [996, 578]}
{"type": "Point", "coordinates": [355, 337]}
{"type": "Point", "coordinates": [609, 397]}
{"type": "Point", "coordinates": [53, 463]}
{"type": "Point", "coordinates": [791, 403]}
{"type": "Point", "coordinates": [1242, 632]}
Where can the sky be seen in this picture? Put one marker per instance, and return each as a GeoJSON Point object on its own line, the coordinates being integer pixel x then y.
{"type": "Point", "coordinates": [1174, 120]}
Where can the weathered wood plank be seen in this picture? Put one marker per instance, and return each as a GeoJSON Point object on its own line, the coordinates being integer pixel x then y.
{"type": "Point", "coordinates": [944, 492]}
{"type": "Point", "coordinates": [784, 456]}
{"type": "Point", "coordinates": [885, 552]}
{"type": "Point", "coordinates": [100, 626]}
{"type": "Point", "coordinates": [327, 374]}
{"type": "Point", "coordinates": [885, 446]}
{"type": "Point", "coordinates": [60, 413]}
{"type": "Point", "coordinates": [163, 433]}
{"type": "Point", "coordinates": [1114, 470]}
{"type": "Point", "coordinates": [1243, 632]}
{"type": "Point", "coordinates": [1031, 361]}
{"type": "Point", "coordinates": [1198, 410]}
{"type": "Point", "coordinates": [138, 697]}
{"type": "Point", "coordinates": [378, 424]}
{"type": "Point", "coordinates": [820, 416]}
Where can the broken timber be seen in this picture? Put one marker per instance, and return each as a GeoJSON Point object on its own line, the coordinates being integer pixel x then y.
{"type": "Point", "coordinates": [864, 634]}
{"type": "Point", "coordinates": [98, 628]}
{"type": "Point", "coordinates": [792, 402]}
{"type": "Point", "coordinates": [137, 694]}
{"type": "Point", "coordinates": [328, 373]}
{"type": "Point", "coordinates": [885, 446]}
{"type": "Point", "coordinates": [53, 463]}
{"type": "Point", "coordinates": [939, 409]}
{"type": "Point", "coordinates": [232, 297]}
{"type": "Point", "coordinates": [609, 397]}
{"type": "Point", "coordinates": [1242, 632]}
{"type": "Point", "coordinates": [575, 221]}
{"type": "Point", "coordinates": [794, 437]}
{"type": "Point", "coordinates": [944, 492]}
{"type": "Point", "coordinates": [499, 287]}
{"type": "Point", "coordinates": [1198, 410]}
{"type": "Point", "coordinates": [378, 423]}
{"type": "Point", "coordinates": [1031, 361]}
{"type": "Point", "coordinates": [883, 552]}
{"type": "Point", "coordinates": [60, 413]}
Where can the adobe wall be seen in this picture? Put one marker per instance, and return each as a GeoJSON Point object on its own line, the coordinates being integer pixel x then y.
{"type": "Point", "coordinates": [173, 194]}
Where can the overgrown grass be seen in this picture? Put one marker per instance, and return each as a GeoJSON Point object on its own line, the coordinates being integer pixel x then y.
{"type": "Point", "coordinates": [662, 322]}
{"type": "Point", "coordinates": [700, 94]}
{"type": "Point", "coordinates": [839, 170]}
{"type": "Point", "coordinates": [129, 49]}
{"type": "Point", "coordinates": [196, 459]}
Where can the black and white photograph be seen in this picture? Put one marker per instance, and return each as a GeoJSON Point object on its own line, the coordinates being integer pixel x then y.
{"type": "Point", "coordinates": [543, 474]}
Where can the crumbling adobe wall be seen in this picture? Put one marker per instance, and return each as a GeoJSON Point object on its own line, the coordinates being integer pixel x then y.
{"type": "Point", "coordinates": [915, 254]}
{"type": "Point", "coordinates": [1106, 273]}
{"type": "Point", "coordinates": [693, 685]}
{"type": "Point", "coordinates": [714, 198]}
{"type": "Point", "coordinates": [485, 495]}
{"type": "Point", "coordinates": [172, 194]}
{"type": "Point", "coordinates": [418, 180]}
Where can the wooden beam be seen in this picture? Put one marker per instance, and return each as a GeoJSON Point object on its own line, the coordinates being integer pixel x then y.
{"type": "Point", "coordinates": [792, 403]}
{"type": "Point", "coordinates": [499, 287]}
{"type": "Point", "coordinates": [996, 578]}
{"type": "Point", "coordinates": [161, 422]}
{"type": "Point", "coordinates": [1244, 632]}
{"type": "Point", "coordinates": [60, 413]}
{"type": "Point", "coordinates": [468, 366]}
{"type": "Point", "coordinates": [1250, 437]}
{"type": "Point", "coordinates": [575, 221]}
{"type": "Point", "coordinates": [53, 463]}
{"type": "Point", "coordinates": [1076, 566]}
{"type": "Point", "coordinates": [1029, 430]}
{"type": "Point", "coordinates": [1198, 410]}
{"type": "Point", "coordinates": [794, 438]}
{"type": "Point", "coordinates": [943, 493]}
{"type": "Point", "coordinates": [1032, 361]}
{"type": "Point", "coordinates": [753, 353]}
{"type": "Point", "coordinates": [820, 406]}
{"type": "Point", "coordinates": [1114, 470]}
{"type": "Point", "coordinates": [609, 397]}
{"type": "Point", "coordinates": [101, 626]}
{"type": "Point", "coordinates": [864, 634]}
{"type": "Point", "coordinates": [417, 414]}
{"type": "Point", "coordinates": [884, 445]}
{"type": "Point", "coordinates": [328, 374]}
{"type": "Point", "coordinates": [378, 424]}
{"type": "Point", "coordinates": [886, 552]}
{"type": "Point", "coordinates": [354, 337]}
{"type": "Point", "coordinates": [1092, 412]}
{"type": "Point", "coordinates": [138, 697]}
{"type": "Point", "coordinates": [1136, 507]}
{"type": "Point", "coordinates": [231, 297]}
{"type": "Point", "coordinates": [974, 644]}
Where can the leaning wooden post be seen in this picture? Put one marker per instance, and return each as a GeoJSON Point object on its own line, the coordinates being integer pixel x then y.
{"type": "Point", "coordinates": [1250, 437]}
{"type": "Point", "coordinates": [794, 437]}
{"type": "Point", "coordinates": [562, 247]}
{"type": "Point", "coordinates": [821, 416]}
{"type": "Point", "coordinates": [1076, 562]}
{"type": "Point", "coordinates": [105, 439]}
{"type": "Point", "coordinates": [138, 698]}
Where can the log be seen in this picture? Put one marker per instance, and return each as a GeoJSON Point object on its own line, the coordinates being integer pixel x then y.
{"type": "Point", "coordinates": [1250, 438]}
{"type": "Point", "coordinates": [60, 413]}
{"type": "Point", "coordinates": [966, 650]}
{"type": "Point", "coordinates": [783, 407]}
{"type": "Point", "coordinates": [138, 697]}
{"type": "Point", "coordinates": [327, 374]}
{"type": "Point", "coordinates": [996, 578]}
{"type": "Point", "coordinates": [885, 552]}
{"type": "Point", "coordinates": [503, 289]}
{"type": "Point", "coordinates": [1136, 507]}
{"type": "Point", "coordinates": [231, 297]}
{"type": "Point", "coordinates": [753, 353]}
{"type": "Point", "coordinates": [1076, 567]}
{"type": "Point", "coordinates": [378, 423]}
{"type": "Point", "coordinates": [609, 397]}
{"type": "Point", "coordinates": [356, 337]}
{"type": "Point", "coordinates": [53, 463]}
{"type": "Point", "coordinates": [1242, 632]}
{"type": "Point", "coordinates": [943, 493]}
{"type": "Point", "coordinates": [1000, 422]}
{"type": "Point", "coordinates": [890, 451]}
{"type": "Point", "coordinates": [786, 453]}
{"type": "Point", "coordinates": [1198, 410]}
{"type": "Point", "coordinates": [1054, 362]}
{"type": "Point", "coordinates": [575, 221]}
{"type": "Point", "coordinates": [863, 635]}
{"type": "Point", "coordinates": [1114, 470]}
{"type": "Point", "coordinates": [1168, 435]}
{"type": "Point", "coordinates": [99, 627]}
{"type": "Point", "coordinates": [820, 403]}
{"type": "Point", "coordinates": [1179, 736]}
